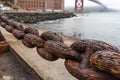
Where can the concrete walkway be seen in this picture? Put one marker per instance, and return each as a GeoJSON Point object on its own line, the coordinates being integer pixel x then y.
{"type": "Point", "coordinates": [45, 69]}
{"type": "Point", "coordinates": [11, 68]}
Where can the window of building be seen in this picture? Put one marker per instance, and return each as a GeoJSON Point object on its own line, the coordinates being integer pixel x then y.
{"type": "Point", "coordinates": [43, 3]}
{"type": "Point", "coordinates": [43, 6]}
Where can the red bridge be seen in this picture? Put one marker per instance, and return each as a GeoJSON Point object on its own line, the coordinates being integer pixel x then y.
{"type": "Point", "coordinates": [79, 5]}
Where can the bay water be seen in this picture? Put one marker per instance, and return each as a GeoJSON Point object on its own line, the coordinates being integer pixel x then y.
{"type": "Point", "coordinates": [104, 26]}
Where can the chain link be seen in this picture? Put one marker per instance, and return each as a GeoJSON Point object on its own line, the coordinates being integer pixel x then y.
{"type": "Point", "coordinates": [84, 59]}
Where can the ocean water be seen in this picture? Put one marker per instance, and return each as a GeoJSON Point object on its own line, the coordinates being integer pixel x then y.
{"type": "Point", "coordinates": [99, 26]}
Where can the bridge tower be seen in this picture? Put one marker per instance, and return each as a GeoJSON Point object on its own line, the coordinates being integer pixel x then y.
{"type": "Point", "coordinates": [79, 5]}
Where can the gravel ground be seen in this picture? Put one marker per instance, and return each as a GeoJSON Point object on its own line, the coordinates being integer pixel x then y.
{"type": "Point", "coordinates": [9, 67]}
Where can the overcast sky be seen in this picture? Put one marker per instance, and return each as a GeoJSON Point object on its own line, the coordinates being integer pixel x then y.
{"type": "Point", "coordinates": [110, 3]}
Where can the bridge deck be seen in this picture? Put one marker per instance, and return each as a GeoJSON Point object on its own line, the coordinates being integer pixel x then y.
{"type": "Point", "coordinates": [45, 69]}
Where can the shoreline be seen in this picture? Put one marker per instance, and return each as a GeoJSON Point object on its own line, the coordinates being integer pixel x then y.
{"type": "Point", "coordinates": [38, 17]}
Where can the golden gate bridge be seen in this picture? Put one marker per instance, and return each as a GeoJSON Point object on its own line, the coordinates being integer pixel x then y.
{"type": "Point", "coordinates": [79, 5]}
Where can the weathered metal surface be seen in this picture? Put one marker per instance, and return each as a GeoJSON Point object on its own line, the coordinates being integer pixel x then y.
{"type": "Point", "coordinates": [3, 24]}
{"type": "Point", "coordinates": [18, 34]}
{"type": "Point", "coordinates": [27, 44]}
{"type": "Point", "coordinates": [46, 55]}
{"type": "Point", "coordinates": [49, 35]}
{"type": "Point", "coordinates": [31, 31]}
{"type": "Point", "coordinates": [9, 28]}
{"type": "Point", "coordinates": [55, 70]}
{"type": "Point", "coordinates": [81, 45]}
{"type": "Point", "coordinates": [33, 40]}
{"type": "Point", "coordinates": [18, 26]}
{"type": "Point", "coordinates": [86, 73]}
{"type": "Point", "coordinates": [106, 61]}
{"type": "Point", "coordinates": [30, 39]}
{"type": "Point", "coordinates": [40, 42]}
{"type": "Point", "coordinates": [11, 23]}
{"type": "Point", "coordinates": [78, 58]}
{"type": "Point", "coordinates": [61, 50]}
{"type": "Point", "coordinates": [4, 18]}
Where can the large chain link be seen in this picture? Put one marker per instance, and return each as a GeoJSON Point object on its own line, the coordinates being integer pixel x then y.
{"type": "Point", "coordinates": [84, 59]}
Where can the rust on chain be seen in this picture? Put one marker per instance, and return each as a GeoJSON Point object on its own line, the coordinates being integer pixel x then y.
{"type": "Point", "coordinates": [84, 71]}
{"type": "Point", "coordinates": [61, 50]}
{"type": "Point", "coordinates": [18, 26]}
{"type": "Point", "coordinates": [31, 31]}
{"type": "Point", "coordinates": [73, 67]}
{"type": "Point", "coordinates": [46, 55]}
{"type": "Point", "coordinates": [30, 39]}
{"type": "Point", "coordinates": [3, 24]}
{"type": "Point", "coordinates": [46, 36]}
{"type": "Point", "coordinates": [84, 59]}
{"type": "Point", "coordinates": [49, 35]}
{"type": "Point", "coordinates": [18, 34]}
{"type": "Point", "coordinates": [27, 44]}
{"type": "Point", "coordinates": [95, 45]}
{"type": "Point", "coordinates": [106, 61]}
{"type": "Point", "coordinates": [9, 28]}
{"type": "Point", "coordinates": [4, 19]}
{"type": "Point", "coordinates": [11, 23]}
{"type": "Point", "coordinates": [40, 42]}
{"type": "Point", "coordinates": [33, 40]}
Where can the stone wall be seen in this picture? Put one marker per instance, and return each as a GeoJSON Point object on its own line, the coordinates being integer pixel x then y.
{"type": "Point", "coordinates": [37, 17]}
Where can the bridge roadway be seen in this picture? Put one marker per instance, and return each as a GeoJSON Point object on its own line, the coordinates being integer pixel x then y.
{"type": "Point", "coordinates": [37, 66]}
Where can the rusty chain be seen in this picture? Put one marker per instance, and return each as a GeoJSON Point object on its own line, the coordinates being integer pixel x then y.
{"type": "Point", "coordinates": [84, 59]}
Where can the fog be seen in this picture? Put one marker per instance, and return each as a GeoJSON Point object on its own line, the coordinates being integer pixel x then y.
{"type": "Point", "coordinates": [115, 4]}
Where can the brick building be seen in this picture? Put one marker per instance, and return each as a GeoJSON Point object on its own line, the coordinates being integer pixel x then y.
{"type": "Point", "coordinates": [55, 4]}
{"type": "Point", "coordinates": [41, 4]}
